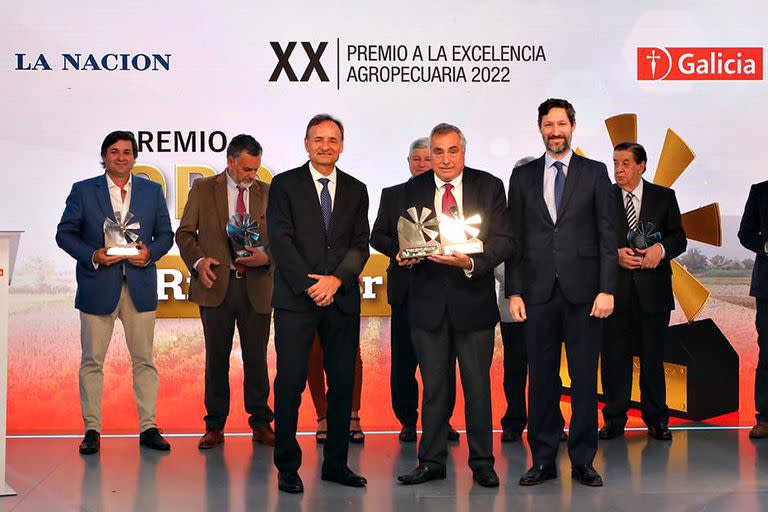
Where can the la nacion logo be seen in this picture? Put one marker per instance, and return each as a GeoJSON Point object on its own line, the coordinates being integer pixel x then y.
{"type": "Point", "coordinates": [703, 63]}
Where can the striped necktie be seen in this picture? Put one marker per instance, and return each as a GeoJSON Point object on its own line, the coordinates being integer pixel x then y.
{"type": "Point", "coordinates": [629, 209]}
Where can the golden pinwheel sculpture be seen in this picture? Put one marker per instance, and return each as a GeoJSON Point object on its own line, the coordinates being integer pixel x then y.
{"type": "Point", "coordinates": [701, 224]}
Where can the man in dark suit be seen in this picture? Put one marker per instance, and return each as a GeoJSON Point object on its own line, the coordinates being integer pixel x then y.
{"type": "Point", "coordinates": [643, 299]}
{"type": "Point", "coordinates": [317, 222]}
{"type": "Point", "coordinates": [229, 289]}
{"type": "Point", "coordinates": [384, 238]}
{"type": "Point", "coordinates": [452, 305]}
{"type": "Point", "coordinates": [561, 286]}
{"type": "Point", "coordinates": [115, 286]}
{"type": "Point", "coordinates": [753, 234]}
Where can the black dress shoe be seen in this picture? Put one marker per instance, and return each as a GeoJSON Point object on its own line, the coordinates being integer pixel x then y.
{"type": "Point", "coordinates": [660, 432]}
{"type": "Point", "coordinates": [563, 436]}
{"type": "Point", "coordinates": [423, 473]}
{"type": "Point", "coordinates": [290, 482]}
{"type": "Point", "coordinates": [539, 474]}
{"type": "Point", "coordinates": [407, 434]}
{"type": "Point", "coordinates": [453, 434]}
{"type": "Point", "coordinates": [507, 436]}
{"type": "Point", "coordinates": [586, 475]}
{"type": "Point", "coordinates": [486, 477]}
{"type": "Point", "coordinates": [610, 431]}
{"type": "Point", "coordinates": [344, 477]}
{"type": "Point", "coordinates": [151, 438]}
{"type": "Point", "coordinates": [91, 442]}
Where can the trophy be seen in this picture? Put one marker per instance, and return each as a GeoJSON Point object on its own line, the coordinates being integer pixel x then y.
{"type": "Point", "coordinates": [243, 232]}
{"type": "Point", "coordinates": [643, 235]}
{"type": "Point", "coordinates": [120, 235]}
{"type": "Point", "coordinates": [460, 234]}
{"type": "Point", "coordinates": [415, 235]}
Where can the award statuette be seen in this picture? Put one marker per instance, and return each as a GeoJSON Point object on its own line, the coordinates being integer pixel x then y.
{"type": "Point", "coordinates": [243, 232]}
{"type": "Point", "coordinates": [643, 235]}
{"type": "Point", "coordinates": [120, 235]}
{"type": "Point", "coordinates": [460, 234]}
{"type": "Point", "coordinates": [415, 235]}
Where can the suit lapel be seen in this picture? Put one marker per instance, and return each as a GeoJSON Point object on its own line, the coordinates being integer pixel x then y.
{"type": "Point", "coordinates": [339, 198]}
{"type": "Point", "coordinates": [222, 205]}
{"type": "Point", "coordinates": [538, 190]}
{"type": "Point", "coordinates": [469, 200]}
{"type": "Point", "coordinates": [102, 193]}
{"type": "Point", "coordinates": [308, 190]}
{"type": "Point", "coordinates": [647, 204]}
{"type": "Point", "coordinates": [570, 184]}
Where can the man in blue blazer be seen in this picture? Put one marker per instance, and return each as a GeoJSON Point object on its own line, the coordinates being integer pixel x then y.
{"type": "Point", "coordinates": [110, 287]}
{"type": "Point", "coordinates": [562, 285]}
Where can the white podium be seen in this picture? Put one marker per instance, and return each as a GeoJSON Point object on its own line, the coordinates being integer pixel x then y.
{"type": "Point", "coordinates": [9, 246]}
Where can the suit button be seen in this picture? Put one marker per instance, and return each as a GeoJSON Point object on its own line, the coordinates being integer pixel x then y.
{"type": "Point", "coordinates": [556, 230]}
{"type": "Point", "coordinates": [328, 247]}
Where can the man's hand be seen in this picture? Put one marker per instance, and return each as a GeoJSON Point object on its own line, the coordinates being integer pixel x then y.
{"type": "Point", "coordinates": [456, 259]}
{"type": "Point", "coordinates": [603, 305]}
{"type": "Point", "coordinates": [100, 258]}
{"type": "Point", "coordinates": [651, 256]}
{"type": "Point", "coordinates": [257, 258]}
{"type": "Point", "coordinates": [324, 289]}
{"type": "Point", "coordinates": [517, 308]}
{"type": "Point", "coordinates": [140, 259]}
{"type": "Point", "coordinates": [628, 259]}
{"type": "Point", "coordinates": [205, 272]}
{"type": "Point", "coordinates": [409, 262]}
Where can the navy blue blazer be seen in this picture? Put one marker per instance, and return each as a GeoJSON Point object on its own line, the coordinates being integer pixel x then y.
{"type": "Point", "coordinates": [81, 232]}
{"type": "Point", "coordinates": [579, 250]}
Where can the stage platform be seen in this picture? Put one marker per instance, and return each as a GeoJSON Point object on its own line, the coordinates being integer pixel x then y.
{"type": "Point", "coordinates": [700, 469]}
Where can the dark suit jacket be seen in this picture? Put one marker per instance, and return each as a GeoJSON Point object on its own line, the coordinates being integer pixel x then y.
{"type": "Point", "coordinates": [81, 232]}
{"type": "Point", "coordinates": [202, 233]}
{"type": "Point", "coordinates": [753, 233]}
{"type": "Point", "coordinates": [438, 290]}
{"type": "Point", "coordinates": [384, 239]}
{"type": "Point", "coordinates": [300, 245]}
{"type": "Point", "coordinates": [654, 286]}
{"type": "Point", "coordinates": [579, 249]}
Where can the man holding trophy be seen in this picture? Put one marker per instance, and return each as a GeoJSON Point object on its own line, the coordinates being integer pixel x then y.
{"type": "Point", "coordinates": [453, 233]}
{"type": "Point", "coordinates": [222, 239]}
{"type": "Point", "coordinates": [117, 226]}
{"type": "Point", "coordinates": [650, 235]}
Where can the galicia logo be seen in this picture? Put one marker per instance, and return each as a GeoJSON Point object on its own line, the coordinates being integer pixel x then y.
{"type": "Point", "coordinates": [284, 62]}
{"type": "Point", "coordinates": [654, 63]}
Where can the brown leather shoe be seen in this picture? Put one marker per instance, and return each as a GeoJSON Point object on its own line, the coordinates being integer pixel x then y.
{"type": "Point", "coordinates": [264, 434]}
{"type": "Point", "coordinates": [759, 431]}
{"type": "Point", "coordinates": [212, 438]}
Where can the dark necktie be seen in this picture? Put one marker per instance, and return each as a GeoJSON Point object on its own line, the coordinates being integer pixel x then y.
{"type": "Point", "coordinates": [449, 201]}
{"type": "Point", "coordinates": [325, 203]}
{"type": "Point", "coordinates": [629, 209]}
{"type": "Point", "coordinates": [559, 184]}
{"type": "Point", "coordinates": [240, 211]}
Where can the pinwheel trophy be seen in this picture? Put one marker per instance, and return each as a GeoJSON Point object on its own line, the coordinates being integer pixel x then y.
{"type": "Point", "coordinates": [243, 232]}
{"type": "Point", "coordinates": [643, 235]}
{"type": "Point", "coordinates": [460, 234]}
{"type": "Point", "coordinates": [415, 235]}
{"type": "Point", "coordinates": [121, 236]}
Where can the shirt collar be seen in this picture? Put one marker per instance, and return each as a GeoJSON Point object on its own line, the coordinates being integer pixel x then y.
{"type": "Point", "coordinates": [231, 183]}
{"type": "Point", "coordinates": [566, 160]}
{"type": "Point", "coordinates": [111, 184]}
{"type": "Point", "coordinates": [456, 182]}
{"type": "Point", "coordinates": [638, 192]}
{"type": "Point", "coordinates": [316, 175]}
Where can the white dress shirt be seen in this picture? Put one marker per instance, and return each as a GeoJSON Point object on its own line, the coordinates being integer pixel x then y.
{"type": "Point", "coordinates": [458, 195]}
{"type": "Point", "coordinates": [550, 172]}
{"type": "Point", "coordinates": [316, 175]}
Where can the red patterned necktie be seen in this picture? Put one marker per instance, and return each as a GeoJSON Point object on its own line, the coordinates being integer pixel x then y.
{"type": "Point", "coordinates": [240, 210]}
{"type": "Point", "coordinates": [449, 201]}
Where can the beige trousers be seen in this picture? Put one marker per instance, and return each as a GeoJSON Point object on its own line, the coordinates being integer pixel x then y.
{"type": "Point", "coordinates": [95, 335]}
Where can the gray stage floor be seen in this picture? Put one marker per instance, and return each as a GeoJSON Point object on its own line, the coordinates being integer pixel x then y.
{"type": "Point", "coordinates": [700, 470]}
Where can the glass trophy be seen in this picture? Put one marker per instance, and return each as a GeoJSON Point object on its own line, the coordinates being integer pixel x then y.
{"type": "Point", "coordinates": [121, 236]}
{"type": "Point", "coordinates": [415, 234]}
{"type": "Point", "coordinates": [643, 236]}
{"type": "Point", "coordinates": [460, 234]}
{"type": "Point", "coordinates": [243, 232]}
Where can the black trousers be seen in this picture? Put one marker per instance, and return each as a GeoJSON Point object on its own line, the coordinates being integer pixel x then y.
{"type": "Point", "coordinates": [761, 372]}
{"type": "Point", "coordinates": [403, 385]}
{"type": "Point", "coordinates": [340, 338]}
{"type": "Point", "coordinates": [629, 332]}
{"type": "Point", "coordinates": [548, 324]}
{"type": "Point", "coordinates": [218, 329]}
{"type": "Point", "coordinates": [435, 353]}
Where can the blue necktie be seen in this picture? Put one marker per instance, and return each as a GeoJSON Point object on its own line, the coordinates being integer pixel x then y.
{"type": "Point", "coordinates": [325, 202]}
{"type": "Point", "coordinates": [559, 184]}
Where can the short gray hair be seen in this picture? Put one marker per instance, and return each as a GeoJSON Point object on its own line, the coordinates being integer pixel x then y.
{"type": "Point", "coordinates": [420, 143]}
{"type": "Point", "coordinates": [524, 161]}
{"type": "Point", "coordinates": [445, 128]}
